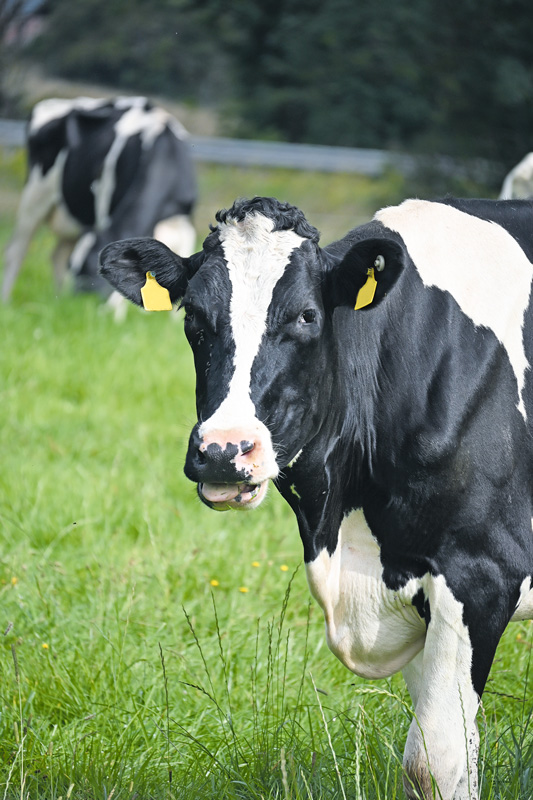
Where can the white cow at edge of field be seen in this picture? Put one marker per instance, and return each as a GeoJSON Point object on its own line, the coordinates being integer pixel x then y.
{"type": "Point", "coordinates": [518, 184]}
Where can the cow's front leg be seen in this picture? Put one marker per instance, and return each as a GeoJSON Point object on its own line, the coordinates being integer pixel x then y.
{"type": "Point", "coordinates": [38, 198]}
{"type": "Point", "coordinates": [60, 259]}
{"type": "Point", "coordinates": [440, 758]}
{"type": "Point", "coordinates": [467, 788]}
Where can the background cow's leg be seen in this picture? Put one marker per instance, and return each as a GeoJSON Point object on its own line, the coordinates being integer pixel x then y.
{"type": "Point", "coordinates": [60, 259]}
{"type": "Point", "coordinates": [37, 201]}
{"type": "Point", "coordinates": [118, 305]}
{"type": "Point", "coordinates": [440, 757]}
{"type": "Point", "coordinates": [467, 788]}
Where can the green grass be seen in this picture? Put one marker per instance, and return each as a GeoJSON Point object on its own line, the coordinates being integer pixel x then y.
{"type": "Point", "coordinates": [124, 672]}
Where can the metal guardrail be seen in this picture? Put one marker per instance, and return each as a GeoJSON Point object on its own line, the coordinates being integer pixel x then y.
{"type": "Point", "coordinates": [247, 152]}
{"type": "Point", "coordinates": [322, 158]}
{"type": "Point", "coordinates": [12, 133]}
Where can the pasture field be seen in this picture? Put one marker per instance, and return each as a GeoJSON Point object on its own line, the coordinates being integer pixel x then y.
{"type": "Point", "coordinates": [152, 648]}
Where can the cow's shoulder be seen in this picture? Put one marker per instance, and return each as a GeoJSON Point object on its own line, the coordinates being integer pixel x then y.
{"type": "Point", "coordinates": [56, 125]}
{"type": "Point", "coordinates": [478, 253]}
{"type": "Point", "coordinates": [46, 132]}
{"type": "Point", "coordinates": [515, 216]}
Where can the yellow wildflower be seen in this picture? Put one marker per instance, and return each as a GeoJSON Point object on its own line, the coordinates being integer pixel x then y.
{"type": "Point", "coordinates": [214, 582]}
{"type": "Point", "coordinates": [243, 589]}
{"type": "Point", "coordinates": [284, 568]}
{"type": "Point", "coordinates": [256, 564]}
{"type": "Point", "coordinates": [45, 646]}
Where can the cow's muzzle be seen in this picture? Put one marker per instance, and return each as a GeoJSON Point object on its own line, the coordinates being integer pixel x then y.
{"type": "Point", "coordinates": [231, 467]}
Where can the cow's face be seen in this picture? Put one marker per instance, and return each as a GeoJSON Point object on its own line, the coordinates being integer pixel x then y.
{"type": "Point", "coordinates": [258, 304]}
{"type": "Point", "coordinates": [254, 319]}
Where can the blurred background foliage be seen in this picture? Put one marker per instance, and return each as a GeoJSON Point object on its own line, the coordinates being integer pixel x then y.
{"type": "Point", "coordinates": [417, 76]}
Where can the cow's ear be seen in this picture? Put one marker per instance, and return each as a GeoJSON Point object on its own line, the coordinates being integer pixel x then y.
{"type": "Point", "coordinates": [125, 264]}
{"type": "Point", "coordinates": [366, 273]}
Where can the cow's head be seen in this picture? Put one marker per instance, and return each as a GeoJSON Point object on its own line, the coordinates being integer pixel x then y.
{"type": "Point", "coordinates": [259, 302]}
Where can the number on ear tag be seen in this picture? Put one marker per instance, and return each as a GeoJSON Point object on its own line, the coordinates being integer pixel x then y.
{"type": "Point", "coordinates": [366, 293]}
{"type": "Point", "coordinates": [154, 296]}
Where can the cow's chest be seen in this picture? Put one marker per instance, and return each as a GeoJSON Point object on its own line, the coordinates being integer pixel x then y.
{"type": "Point", "coordinates": [373, 630]}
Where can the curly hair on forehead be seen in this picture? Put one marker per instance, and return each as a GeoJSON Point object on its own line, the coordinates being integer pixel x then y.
{"type": "Point", "coordinates": [284, 216]}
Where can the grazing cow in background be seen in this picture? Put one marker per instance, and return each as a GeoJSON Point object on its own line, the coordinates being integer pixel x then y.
{"type": "Point", "coordinates": [101, 170]}
{"type": "Point", "coordinates": [519, 182]}
{"type": "Point", "coordinates": [399, 431]}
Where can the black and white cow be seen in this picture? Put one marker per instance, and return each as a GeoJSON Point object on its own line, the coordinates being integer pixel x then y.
{"type": "Point", "coordinates": [518, 183]}
{"type": "Point", "coordinates": [399, 433]}
{"type": "Point", "coordinates": [101, 170]}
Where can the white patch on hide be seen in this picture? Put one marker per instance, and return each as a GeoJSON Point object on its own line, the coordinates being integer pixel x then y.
{"type": "Point", "coordinates": [373, 630]}
{"type": "Point", "coordinates": [177, 233]}
{"type": "Point", "coordinates": [439, 681]}
{"type": "Point", "coordinates": [56, 107]}
{"type": "Point", "coordinates": [48, 110]}
{"type": "Point", "coordinates": [524, 607]}
{"type": "Point", "coordinates": [477, 261]}
{"type": "Point", "coordinates": [135, 121]}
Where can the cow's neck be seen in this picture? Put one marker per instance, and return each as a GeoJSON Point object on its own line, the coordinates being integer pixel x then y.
{"type": "Point", "coordinates": [355, 457]}
{"type": "Point", "coordinates": [329, 477]}
{"type": "Point", "coordinates": [385, 440]}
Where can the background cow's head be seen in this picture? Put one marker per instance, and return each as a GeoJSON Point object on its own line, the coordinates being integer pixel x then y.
{"type": "Point", "coordinates": [259, 302]}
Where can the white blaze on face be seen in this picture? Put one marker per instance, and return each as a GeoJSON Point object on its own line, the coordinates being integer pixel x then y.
{"type": "Point", "coordinates": [477, 261]}
{"type": "Point", "coordinates": [256, 259]}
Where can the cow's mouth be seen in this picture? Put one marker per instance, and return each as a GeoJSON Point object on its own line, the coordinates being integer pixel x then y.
{"type": "Point", "coordinates": [224, 496]}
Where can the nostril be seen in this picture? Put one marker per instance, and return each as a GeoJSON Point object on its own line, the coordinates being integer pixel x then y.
{"type": "Point", "coordinates": [200, 455]}
{"type": "Point", "coordinates": [247, 447]}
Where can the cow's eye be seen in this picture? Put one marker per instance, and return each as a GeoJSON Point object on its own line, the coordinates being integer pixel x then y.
{"type": "Point", "coordinates": [189, 314]}
{"type": "Point", "coordinates": [309, 315]}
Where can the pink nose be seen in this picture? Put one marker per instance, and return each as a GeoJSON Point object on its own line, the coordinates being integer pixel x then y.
{"type": "Point", "coordinates": [239, 447]}
{"type": "Point", "coordinates": [228, 456]}
{"type": "Point", "coordinates": [232, 455]}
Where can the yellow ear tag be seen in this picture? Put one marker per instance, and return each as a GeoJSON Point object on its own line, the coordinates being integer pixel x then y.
{"type": "Point", "coordinates": [366, 293]}
{"type": "Point", "coordinates": [155, 297]}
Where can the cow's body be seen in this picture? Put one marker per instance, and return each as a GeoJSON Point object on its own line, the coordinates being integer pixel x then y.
{"type": "Point", "coordinates": [101, 170]}
{"type": "Point", "coordinates": [400, 433]}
